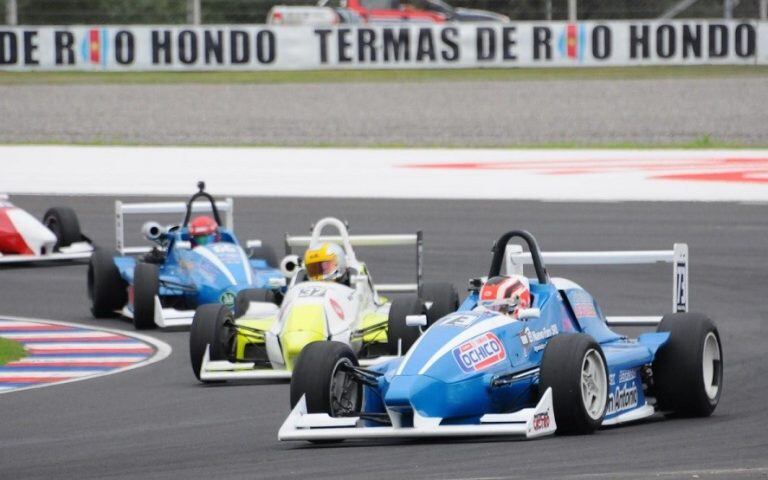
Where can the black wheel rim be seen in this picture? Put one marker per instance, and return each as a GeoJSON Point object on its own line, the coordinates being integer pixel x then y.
{"type": "Point", "coordinates": [344, 392]}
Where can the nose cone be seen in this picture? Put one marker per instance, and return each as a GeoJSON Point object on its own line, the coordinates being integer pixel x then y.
{"type": "Point", "coordinates": [417, 392]}
{"type": "Point", "coordinates": [304, 324]}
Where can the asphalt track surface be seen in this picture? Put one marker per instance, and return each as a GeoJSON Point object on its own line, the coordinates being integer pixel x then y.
{"type": "Point", "coordinates": [158, 422]}
{"type": "Point", "coordinates": [466, 114]}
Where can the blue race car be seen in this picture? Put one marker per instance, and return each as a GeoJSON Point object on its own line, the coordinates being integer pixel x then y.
{"type": "Point", "coordinates": [554, 365]}
{"type": "Point", "coordinates": [197, 262]}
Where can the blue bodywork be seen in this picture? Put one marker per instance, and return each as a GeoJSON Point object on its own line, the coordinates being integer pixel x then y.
{"type": "Point", "coordinates": [476, 361]}
{"type": "Point", "coordinates": [213, 273]}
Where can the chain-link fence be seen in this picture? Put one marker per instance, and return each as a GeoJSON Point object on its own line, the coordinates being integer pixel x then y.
{"type": "Point", "coordinates": [63, 12]}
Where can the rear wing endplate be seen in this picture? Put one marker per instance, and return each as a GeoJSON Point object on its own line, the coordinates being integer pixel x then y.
{"type": "Point", "coordinates": [415, 239]}
{"type": "Point", "coordinates": [122, 209]}
{"type": "Point", "coordinates": [515, 259]}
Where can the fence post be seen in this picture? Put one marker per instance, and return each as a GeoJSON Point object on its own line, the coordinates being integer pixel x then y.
{"type": "Point", "coordinates": [572, 11]}
{"type": "Point", "coordinates": [11, 12]}
{"type": "Point", "coordinates": [764, 9]}
{"type": "Point", "coordinates": [727, 9]}
{"type": "Point", "coordinates": [549, 9]}
{"type": "Point", "coordinates": [194, 12]}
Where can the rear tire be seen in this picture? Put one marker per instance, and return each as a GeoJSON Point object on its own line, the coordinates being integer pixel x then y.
{"type": "Point", "coordinates": [106, 288]}
{"type": "Point", "coordinates": [145, 288]}
{"type": "Point", "coordinates": [62, 221]}
{"type": "Point", "coordinates": [209, 329]}
{"type": "Point", "coordinates": [574, 367]}
{"type": "Point", "coordinates": [397, 329]}
{"type": "Point", "coordinates": [444, 298]}
{"type": "Point", "coordinates": [267, 253]}
{"type": "Point", "coordinates": [688, 369]}
{"type": "Point", "coordinates": [245, 297]}
{"type": "Point", "coordinates": [316, 376]}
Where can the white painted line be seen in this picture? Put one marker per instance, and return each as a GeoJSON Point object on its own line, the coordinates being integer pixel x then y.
{"type": "Point", "coordinates": [86, 345]}
{"type": "Point", "coordinates": [69, 359]}
{"type": "Point", "coordinates": [162, 350]}
{"type": "Point", "coordinates": [52, 373]}
{"type": "Point", "coordinates": [551, 175]}
{"type": "Point", "coordinates": [64, 334]}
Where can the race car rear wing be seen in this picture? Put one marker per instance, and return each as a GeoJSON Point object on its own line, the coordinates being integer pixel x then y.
{"type": "Point", "coordinates": [515, 259]}
{"type": "Point", "coordinates": [122, 209]}
{"type": "Point", "coordinates": [415, 239]}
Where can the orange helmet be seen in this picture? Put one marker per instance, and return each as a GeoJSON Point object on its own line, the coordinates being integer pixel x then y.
{"type": "Point", "coordinates": [203, 230]}
{"type": "Point", "coordinates": [506, 294]}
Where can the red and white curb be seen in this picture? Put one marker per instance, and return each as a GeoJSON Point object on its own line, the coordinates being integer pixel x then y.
{"type": "Point", "coordinates": [63, 352]}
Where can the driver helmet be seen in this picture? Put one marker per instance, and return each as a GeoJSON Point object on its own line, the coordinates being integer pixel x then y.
{"type": "Point", "coordinates": [203, 230]}
{"type": "Point", "coordinates": [326, 261]}
{"type": "Point", "coordinates": [506, 294]}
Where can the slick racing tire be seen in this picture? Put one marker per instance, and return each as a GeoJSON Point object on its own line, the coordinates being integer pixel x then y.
{"type": "Point", "coordinates": [266, 253]}
{"type": "Point", "coordinates": [145, 287]}
{"type": "Point", "coordinates": [326, 387]}
{"type": "Point", "coordinates": [209, 329]}
{"type": "Point", "coordinates": [688, 369]}
{"type": "Point", "coordinates": [443, 297]}
{"type": "Point", "coordinates": [574, 367]}
{"type": "Point", "coordinates": [245, 297]}
{"type": "Point", "coordinates": [106, 288]}
{"type": "Point", "coordinates": [398, 333]}
{"type": "Point", "coordinates": [62, 221]}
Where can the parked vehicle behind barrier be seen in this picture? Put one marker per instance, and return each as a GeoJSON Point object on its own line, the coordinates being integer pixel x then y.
{"type": "Point", "coordinates": [377, 11]}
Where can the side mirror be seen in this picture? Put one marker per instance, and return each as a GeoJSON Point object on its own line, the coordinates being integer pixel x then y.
{"type": "Point", "coordinates": [253, 243]}
{"type": "Point", "coordinates": [416, 320]}
{"type": "Point", "coordinates": [277, 282]}
{"type": "Point", "coordinates": [526, 313]}
{"type": "Point", "coordinates": [290, 265]}
{"type": "Point", "coordinates": [182, 245]}
{"type": "Point", "coordinates": [475, 284]}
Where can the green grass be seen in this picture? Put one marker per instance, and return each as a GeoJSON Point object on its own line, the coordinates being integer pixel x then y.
{"type": "Point", "coordinates": [347, 76]}
{"type": "Point", "coordinates": [10, 351]}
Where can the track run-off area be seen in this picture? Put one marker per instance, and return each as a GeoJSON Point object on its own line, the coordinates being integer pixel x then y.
{"type": "Point", "coordinates": [159, 422]}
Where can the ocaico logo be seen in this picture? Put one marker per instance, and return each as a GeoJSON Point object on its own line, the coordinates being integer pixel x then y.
{"type": "Point", "coordinates": [480, 352]}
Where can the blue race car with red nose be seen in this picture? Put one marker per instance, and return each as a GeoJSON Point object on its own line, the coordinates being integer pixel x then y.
{"type": "Point", "coordinates": [199, 261]}
{"type": "Point", "coordinates": [554, 366]}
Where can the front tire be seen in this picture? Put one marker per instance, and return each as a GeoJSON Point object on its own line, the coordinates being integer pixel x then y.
{"type": "Point", "coordinates": [400, 337]}
{"type": "Point", "coordinates": [688, 369]}
{"type": "Point", "coordinates": [245, 297]}
{"type": "Point", "coordinates": [106, 288]}
{"type": "Point", "coordinates": [210, 329]}
{"type": "Point", "coordinates": [444, 299]}
{"type": "Point", "coordinates": [62, 221]}
{"type": "Point", "coordinates": [574, 367]}
{"type": "Point", "coordinates": [326, 388]}
{"type": "Point", "coordinates": [145, 288]}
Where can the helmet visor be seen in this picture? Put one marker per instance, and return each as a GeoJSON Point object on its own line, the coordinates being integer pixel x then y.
{"type": "Point", "coordinates": [321, 270]}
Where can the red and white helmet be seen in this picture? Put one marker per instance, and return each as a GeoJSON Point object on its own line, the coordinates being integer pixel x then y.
{"type": "Point", "coordinates": [203, 230]}
{"type": "Point", "coordinates": [506, 294]}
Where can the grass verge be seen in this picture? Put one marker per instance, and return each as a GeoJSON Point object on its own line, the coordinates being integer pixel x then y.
{"type": "Point", "coordinates": [351, 76]}
{"type": "Point", "coordinates": [10, 350]}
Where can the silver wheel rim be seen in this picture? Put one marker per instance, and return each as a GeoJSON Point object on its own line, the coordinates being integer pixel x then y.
{"type": "Point", "coordinates": [711, 365]}
{"type": "Point", "coordinates": [594, 386]}
{"type": "Point", "coordinates": [344, 391]}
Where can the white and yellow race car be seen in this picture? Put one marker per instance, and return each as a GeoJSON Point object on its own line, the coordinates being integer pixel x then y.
{"type": "Point", "coordinates": [264, 335]}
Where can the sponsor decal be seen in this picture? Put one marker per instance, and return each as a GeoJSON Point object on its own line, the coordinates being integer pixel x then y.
{"type": "Point", "coordinates": [311, 292]}
{"type": "Point", "coordinates": [336, 308]}
{"type": "Point", "coordinates": [227, 252]}
{"type": "Point", "coordinates": [612, 378]}
{"type": "Point", "coordinates": [479, 353]}
{"type": "Point", "coordinates": [461, 319]}
{"type": "Point", "coordinates": [622, 398]}
{"type": "Point", "coordinates": [228, 299]}
{"type": "Point", "coordinates": [529, 337]}
{"type": "Point", "coordinates": [541, 421]}
{"type": "Point", "coordinates": [627, 376]}
{"type": "Point", "coordinates": [584, 310]}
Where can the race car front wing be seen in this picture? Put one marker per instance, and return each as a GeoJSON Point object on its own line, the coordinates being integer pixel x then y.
{"type": "Point", "coordinates": [528, 423]}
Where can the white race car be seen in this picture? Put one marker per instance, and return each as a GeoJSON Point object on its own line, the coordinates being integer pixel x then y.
{"type": "Point", "coordinates": [23, 238]}
{"type": "Point", "coordinates": [265, 335]}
